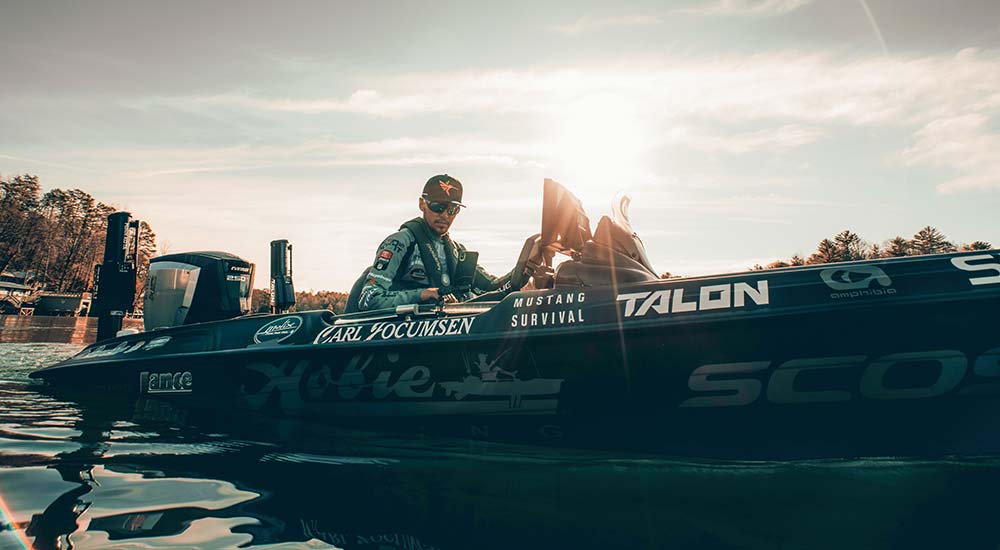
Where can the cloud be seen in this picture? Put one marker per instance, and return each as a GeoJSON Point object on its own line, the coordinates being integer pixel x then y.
{"type": "Point", "coordinates": [730, 105]}
{"type": "Point", "coordinates": [720, 8]}
{"type": "Point", "coordinates": [963, 143]}
{"type": "Point", "coordinates": [588, 23]}
{"type": "Point", "coordinates": [743, 203]}
{"type": "Point", "coordinates": [457, 150]}
{"type": "Point", "coordinates": [31, 161]}
{"type": "Point", "coordinates": [799, 88]}
{"type": "Point", "coordinates": [743, 8]}
{"type": "Point", "coordinates": [784, 137]}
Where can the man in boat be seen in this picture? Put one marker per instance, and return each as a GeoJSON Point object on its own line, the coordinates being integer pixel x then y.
{"type": "Point", "coordinates": [417, 263]}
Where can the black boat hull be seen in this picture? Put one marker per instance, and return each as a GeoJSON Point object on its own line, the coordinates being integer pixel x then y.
{"type": "Point", "coordinates": [915, 372]}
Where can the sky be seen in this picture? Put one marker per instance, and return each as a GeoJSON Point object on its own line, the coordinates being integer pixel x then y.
{"type": "Point", "coordinates": [744, 130]}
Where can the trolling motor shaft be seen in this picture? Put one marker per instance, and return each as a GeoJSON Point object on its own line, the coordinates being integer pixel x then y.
{"type": "Point", "coordinates": [115, 277]}
{"type": "Point", "coordinates": [282, 290]}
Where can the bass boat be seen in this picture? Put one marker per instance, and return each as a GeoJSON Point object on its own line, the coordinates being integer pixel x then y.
{"type": "Point", "coordinates": [897, 357]}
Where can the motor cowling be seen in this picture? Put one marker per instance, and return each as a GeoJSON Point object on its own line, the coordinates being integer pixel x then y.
{"type": "Point", "coordinates": [196, 287]}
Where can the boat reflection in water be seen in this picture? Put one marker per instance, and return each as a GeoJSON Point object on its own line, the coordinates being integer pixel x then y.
{"type": "Point", "coordinates": [167, 478]}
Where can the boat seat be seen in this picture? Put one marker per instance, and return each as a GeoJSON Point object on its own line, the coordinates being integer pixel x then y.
{"type": "Point", "coordinates": [600, 265]}
{"type": "Point", "coordinates": [614, 256]}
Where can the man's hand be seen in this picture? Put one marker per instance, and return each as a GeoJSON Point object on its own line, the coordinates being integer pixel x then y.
{"type": "Point", "coordinates": [429, 294]}
{"type": "Point", "coordinates": [434, 294]}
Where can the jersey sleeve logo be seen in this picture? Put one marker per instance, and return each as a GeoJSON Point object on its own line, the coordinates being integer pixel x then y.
{"type": "Point", "coordinates": [382, 261]}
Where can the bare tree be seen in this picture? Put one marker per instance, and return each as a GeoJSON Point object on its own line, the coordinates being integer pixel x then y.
{"type": "Point", "coordinates": [56, 237]}
{"type": "Point", "coordinates": [18, 217]}
{"type": "Point", "coordinates": [147, 249]}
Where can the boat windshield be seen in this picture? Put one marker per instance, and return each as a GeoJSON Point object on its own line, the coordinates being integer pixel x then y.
{"type": "Point", "coordinates": [619, 211]}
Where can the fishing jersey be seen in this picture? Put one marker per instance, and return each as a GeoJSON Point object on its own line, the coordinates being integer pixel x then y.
{"type": "Point", "coordinates": [399, 273]}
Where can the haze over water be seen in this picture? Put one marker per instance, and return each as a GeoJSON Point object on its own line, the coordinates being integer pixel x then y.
{"type": "Point", "coordinates": [160, 478]}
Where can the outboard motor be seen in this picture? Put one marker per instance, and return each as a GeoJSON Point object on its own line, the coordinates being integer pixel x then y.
{"type": "Point", "coordinates": [282, 291]}
{"type": "Point", "coordinates": [195, 287]}
{"type": "Point", "coordinates": [114, 278]}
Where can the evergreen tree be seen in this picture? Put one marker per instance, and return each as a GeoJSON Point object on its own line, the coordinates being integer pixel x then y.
{"type": "Point", "coordinates": [897, 247]}
{"type": "Point", "coordinates": [796, 260]}
{"type": "Point", "coordinates": [930, 241]}
{"type": "Point", "coordinates": [826, 252]}
{"type": "Point", "coordinates": [874, 252]}
{"type": "Point", "coordinates": [849, 246]}
{"type": "Point", "coordinates": [976, 245]}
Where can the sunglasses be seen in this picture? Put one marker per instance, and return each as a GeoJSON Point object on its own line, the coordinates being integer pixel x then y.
{"type": "Point", "coordinates": [439, 207]}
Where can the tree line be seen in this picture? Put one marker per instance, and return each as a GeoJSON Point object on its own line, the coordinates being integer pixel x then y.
{"type": "Point", "coordinates": [848, 246]}
{"type": "Point", "coordinates": [304, 301]}
{"type": "Point", "coordinates": [57, 237]}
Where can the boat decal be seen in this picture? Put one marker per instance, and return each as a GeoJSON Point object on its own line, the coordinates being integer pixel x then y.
{"type": "Point", "coordinates": [278, 330]}
{"type": "Point", "coordinates": [121, 348]}
{"type": "Point", "coordinates": [964, 263]}
{"type": "Point", "coordinates": [740, 383]}
{"type": "Point", "coordinates": [166, 382]}
{"type": "Point", "coordinates": [546, 318]}
{"type": "Point", "coordinates": [557, 299]}
{"type": "Point", "coordinates": [548, 310]}
{"type": "Point", "coordinates": [158, 342]}
{"type": "Point", "coordinates": [382, 380]}
{"type": "Point", "coordinates": [491, 380]}
{"type": "Point", "coordinates": [857, 281]}
{"type": "Point", "coordinates": [108, 350]}
{"type": "Point", "coordinates": [395, 330]}
{"type": "Point", "coordinates": [709, 297]}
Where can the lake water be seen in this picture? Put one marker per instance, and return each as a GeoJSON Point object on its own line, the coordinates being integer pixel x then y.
{"type": "Point", "coordinates": [72, 476]}
{"type": "Point", "coordinates": [66, 330]}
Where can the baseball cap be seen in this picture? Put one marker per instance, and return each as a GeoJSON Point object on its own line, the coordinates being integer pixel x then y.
{"type": "Point", "coordinates": [443, 188]}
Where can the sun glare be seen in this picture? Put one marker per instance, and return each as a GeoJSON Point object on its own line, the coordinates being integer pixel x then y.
{"type": "Point", "coordinates": [597, 148]}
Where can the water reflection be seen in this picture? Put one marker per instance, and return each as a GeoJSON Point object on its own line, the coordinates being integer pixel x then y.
{"type": "Point", "coordinates": [65, 330]}
{"type": "Point", "coordinates": [98, 478]}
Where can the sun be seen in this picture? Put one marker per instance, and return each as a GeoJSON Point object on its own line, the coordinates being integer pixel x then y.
{"type": "Point", "coordinates": [598, 146]}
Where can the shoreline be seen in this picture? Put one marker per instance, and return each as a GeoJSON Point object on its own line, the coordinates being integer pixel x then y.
{"type": "Point", "coordinates": [21, 329]}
